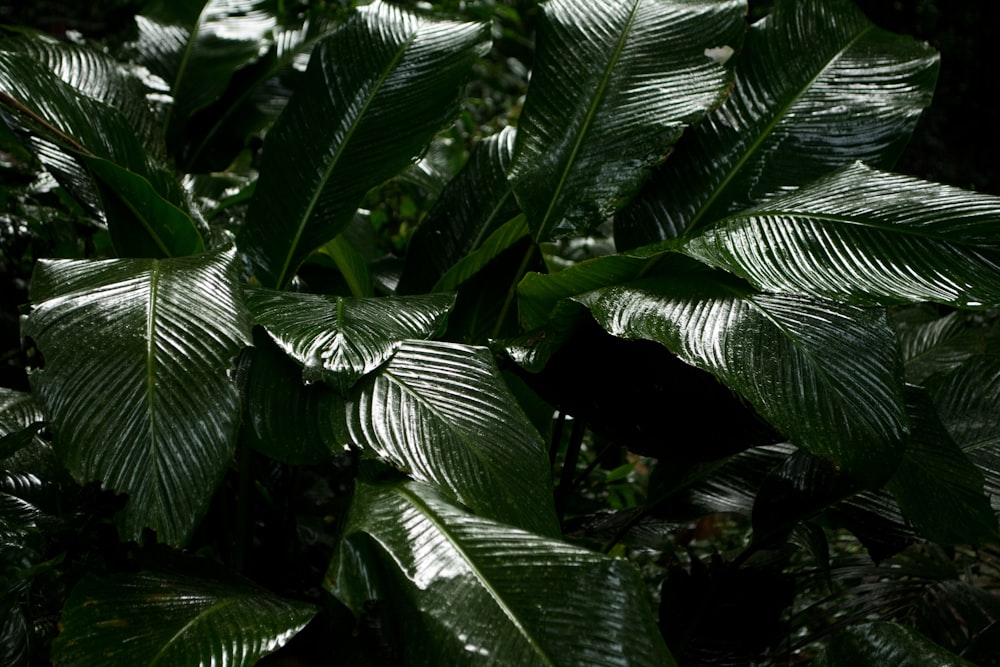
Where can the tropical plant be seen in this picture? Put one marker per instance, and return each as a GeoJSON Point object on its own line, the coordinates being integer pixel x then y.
{"type": "Point", "coordinates": [340, 346]}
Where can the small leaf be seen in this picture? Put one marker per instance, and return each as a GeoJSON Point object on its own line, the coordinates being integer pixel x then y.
{"type": "Point", "coordinates": [612, 88]}
{"type": "Point", "coordinates": [473, 591]}
{"type": "Point", "coordinates": [865, 236]}
{"type": "Point", "coordinates": [338, 339]}
{"type": "Point", "coordinates": [824, 374]}
{"type": "Point", "coordinates": [817, 87]}
{"type": "Point", "coordinates": [374, 94]}
{"type": "Point", "coordinates": [153, 618]}
{"type": "Point", "coordinates": [879, 644]}
{"type": "Point", "coordinates": [442, 412]}
{"type": "Point", "coordinates": [137, 353]}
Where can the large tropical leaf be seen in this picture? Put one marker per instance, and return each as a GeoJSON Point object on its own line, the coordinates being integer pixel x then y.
{"type": "Point", "coordinates": [196, 45]}
{"type": "Point", "coordinates": [158, 618]}
{"type": "Point", "coordinates": [865, 236]}
{"type": "Point", "coordinates": [824, 374]}
{"type": "Point", "coordinates": [470, 208]}
{"type": "Point", "coordinates": [95, 74]}
{"type": "Point", "coordinates": [80, 139]}
{"type": "Point", "coordinates": [883, 643]}
{"type": "Point", "coordinates": [473, 591]}
{"type": "Point", "coordinates": [613, 86]}
{"type": "Point", "coordinates": [817, 87]}
{"type": "Point", "coordinates": [135, 378]}
{"type": "Point", "coordinates": [375, 93]}
{"type": "Point", "coordinates": [338, 339]}
{"type": "Point", "coordinates": [443, 413]}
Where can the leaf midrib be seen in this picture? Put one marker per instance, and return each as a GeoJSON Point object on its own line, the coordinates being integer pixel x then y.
{"type": "Point", "coordinates": [765, 133]}
{"type": "Point", "coordinates": [595, 103]}
{"type": "Point", "coordinates": [318, 191]}
{"type": "Point", "coordinates": [429, 514]}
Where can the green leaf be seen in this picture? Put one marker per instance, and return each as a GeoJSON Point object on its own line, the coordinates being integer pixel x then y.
{"type": "Point", "coordinates": [95, 74]}
{"type": "Point", "coordinates": [865, 236]}
{"type": "Point", "coordinates": [817, 87]}
{"type": "Point", "coordinates": [826, 375]}
{"type": "Point", "coordinates": [353, 266]}
{"type": "Point", "coordinates": [471, 207]}
{"type": "Point", "coordinates": [338, 339]}
{"type": "Point", "coordinates": [966, 398]}
{"type": "Point", "coordinates": [613, 86]}
{"type": "Point", "coordinates": [936, 485]}
{"type": "Point", "coordinates": [442, 412]}
{"type": "Point", "coordinates": [18, 410]}
{"type": "Point", "coordinates": [141, 222]}
{"type": "Point", "coordinates": [504, 237]}
{"type": "Point", "coordinates": [135, 382]}
{"type": "Point", "coordinates": [882, 643]}
{"type": "Point", "coordinates": [282, 418]}
{"type": "Point", "coordinates": [154, 618]}
{"type": "Point", "coordinates": [472, 591]}
{"type": "Point", "coordinates": [195, 46]}
{"type": "Point", "coordinates": [375, 93]}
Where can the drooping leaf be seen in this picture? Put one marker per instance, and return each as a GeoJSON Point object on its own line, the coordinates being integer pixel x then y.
{"type": "Point", "coordinates": [196, 45]}
{"type": "Point", "coordinates": [135, 378]}
{"type": "Point", "coordinates": [375, 93]}
{"type": "Point", "coordinates": [826, 375]}
{"type": "Point", "coordinates": [473, 591]}
{"type": "Point", "coordinates": [282, 418]}
{"type": "Point", "coordinates": [817, 87]}
{"type": "Point", "coordinates": [18, 410]}
{"type": "Point", "coordinates": [938, 488]}
{"type": "Point", "coordinates": [79, 138]}
{"type": "Point", "coordinates": [930, 343]}
{"type": "Point", "coordinates": [502, 238]}
{"type": "Point", "coordinates": [173, 618]}
{"type": "Point", "coordinates": [883, 643]}
{"type": "Point", "coordinates": [471, 207]}
{"type": "Point", "coordinates": [95, 74]}
{"type": "Point", "coordinates": [338, 339]}
{"type": "Point", "coordinates": [966, 398]}
{"type": "Point", "coordinates": [865, 236]}
{"type": "Point", "coordinates": [612, 88]}
{"type": "Point", "coordinates": [442, 412]}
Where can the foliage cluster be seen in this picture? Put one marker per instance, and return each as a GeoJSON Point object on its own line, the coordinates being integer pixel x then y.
{"type": "Point", "coordinates": [349, 344]}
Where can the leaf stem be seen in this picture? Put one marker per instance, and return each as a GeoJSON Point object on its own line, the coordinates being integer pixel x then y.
{"type": "Point", "coordinates": [569, 467]}
{"type": "Point", "coordinates": [512, 292]}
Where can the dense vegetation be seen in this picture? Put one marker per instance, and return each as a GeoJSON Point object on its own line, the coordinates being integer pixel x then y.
{"type": "Point", "coordinates": [349, 345]}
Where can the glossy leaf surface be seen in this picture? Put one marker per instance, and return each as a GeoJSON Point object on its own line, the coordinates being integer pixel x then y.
{"type": "Point", "coordinates": [338, 339]}
{"type": "Point", "coordinates": [443, 413]}
{"type": "Point", "coordinates": [135, 382]}
{"type": "Point", "coordinates": [817, 87]}
{"type": "Point", "coordinates": [153, 618]}
{"type": "Point", "coordinates": [196, 45]}
{"type": "Point", "coordinates": [824, 374]}
{"type": "Point", "coordinates": [883, 643]}
{"type": "Point", "coordinates": [471, 207]}
{"type": "Point", "coordinates": [375, 93]}
{"type": "Point", "coordinates": [613, 86]}
{"type": "Point", "coordinates": [503, 238]}
{"type": "Point", "coordinates": [474, 591]}
{"type": "Point", "coordinates": [867, 237]}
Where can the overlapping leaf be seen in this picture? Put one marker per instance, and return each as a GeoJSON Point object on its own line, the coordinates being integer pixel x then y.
{"type": "Point", "coordinates": [817, 87]}
{"type": "Point", "coordinates": [196, 45]}
{"type": "Point", "coordinates": [883, 643]}
{"type": "Point", "coordinates": [472, 206]}
{"type": "Point", "coordinates": [153, 618]}
{"type": "Point", "coordinates": [474, 591]}
{"type": "Point", "coordinates": [135, 382]}
{"type": "Point", "coordinates": [865, 236]}
{"type": "Point", "coordinates": [69, 130]}
{"type": "Point", "coordinates": [338, 339]}
{"type": "Point", "coordinates": [825, 374]}
{"type": "Point", "coordinates": [613, 86]}
{"type": "Point", "coordinates": [442, 411]}
{"type": "Point", "coordinates": [375, 93]}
